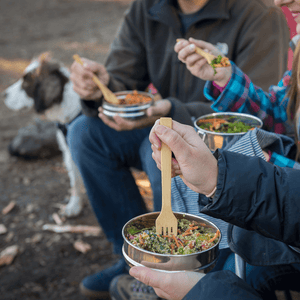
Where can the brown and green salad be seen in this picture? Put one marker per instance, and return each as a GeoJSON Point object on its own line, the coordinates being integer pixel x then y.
{"type": "Point", "coordinates": [192, 237]}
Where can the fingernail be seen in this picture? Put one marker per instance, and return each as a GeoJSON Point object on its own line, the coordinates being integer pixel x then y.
{"type": "Point", "coordinates": [159, 130]}
{"type": "Point", "coordinates": [192, 47]}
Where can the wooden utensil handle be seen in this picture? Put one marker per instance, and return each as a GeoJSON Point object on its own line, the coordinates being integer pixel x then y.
{"type": "Point", "coordinates": [166, 159]}
{"type": "Point", "coordinates": [77, 58]}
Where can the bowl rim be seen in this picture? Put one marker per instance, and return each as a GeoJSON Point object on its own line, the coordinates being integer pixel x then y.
{"type": "Point", "coordinates": [172, 255]}
{"type": "Point", "coordinates": [128, 106]}
{"type": "Point", "coordinates": [227, 114]}
{"type": "Point", "coordinates": [124, 115]}
{"type": "Point", "coordinates": [113, 107]}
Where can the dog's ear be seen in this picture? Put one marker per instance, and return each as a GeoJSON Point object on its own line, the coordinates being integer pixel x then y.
{"type": "Point", "coordinates": [44, 58]}
{"type": "Point", "coordinates": [29, 84]}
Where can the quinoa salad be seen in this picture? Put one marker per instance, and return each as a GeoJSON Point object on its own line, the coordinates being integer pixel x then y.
{"type": "Point", "coordinates": [192, 237]}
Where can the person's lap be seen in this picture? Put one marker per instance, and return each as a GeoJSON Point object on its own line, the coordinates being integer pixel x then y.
{"type": "Point", "coordinates": [104, 157]}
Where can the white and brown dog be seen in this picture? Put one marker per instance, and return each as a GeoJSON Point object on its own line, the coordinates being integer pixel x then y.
{"type": "Point", "coordinates": [45, 86]}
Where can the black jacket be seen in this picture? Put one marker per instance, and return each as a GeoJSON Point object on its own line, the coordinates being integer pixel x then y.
{"type": "Point", "coordinates": [257, 196]}
{"type": "Point", "coordinates": [143, 51]}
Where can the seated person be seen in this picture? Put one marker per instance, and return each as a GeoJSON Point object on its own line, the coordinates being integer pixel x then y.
{"type": "Point", "coordinates": [258, 196]}
{"type": "Point", "coordinates": [106, 149]}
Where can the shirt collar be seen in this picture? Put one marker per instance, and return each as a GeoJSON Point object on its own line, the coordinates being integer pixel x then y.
{"type": "Point", "coordinates": [164, 11]}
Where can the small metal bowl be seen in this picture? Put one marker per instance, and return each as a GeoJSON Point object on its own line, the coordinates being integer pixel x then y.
{"type": "Point", "coordinates": [201, 262]}
{"type": "Point", "coordinates": [128, 111]}
{"type": "Point", "coordinates": [215, 140]}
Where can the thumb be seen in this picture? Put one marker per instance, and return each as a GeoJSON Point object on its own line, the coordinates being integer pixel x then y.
{"type": "Point", "coordinates": [147, 276]}
{"type": "Point", "coordinates": [174, 138]}
{"type": "Point", "coordinates": [91, 65]}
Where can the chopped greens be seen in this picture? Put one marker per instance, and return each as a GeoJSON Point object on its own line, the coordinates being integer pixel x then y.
{"type": "Point", "coordinates": [218, 62]}
{"type": "Point", "coordinates": [192, 237]}
{"type": "Point", "coordinates": [215, 61]}
{"type": "Point", "coordinates": [226, 127]}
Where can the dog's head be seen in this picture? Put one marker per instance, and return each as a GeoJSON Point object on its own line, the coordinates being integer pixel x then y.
{"type": "Point", "coordinates": [41, 86]}
{"type": "Point", "coordinates": [45, 85]}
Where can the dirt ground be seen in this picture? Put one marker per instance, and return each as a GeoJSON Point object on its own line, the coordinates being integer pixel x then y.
{"type": "Point", "coordinates": [47, 265]}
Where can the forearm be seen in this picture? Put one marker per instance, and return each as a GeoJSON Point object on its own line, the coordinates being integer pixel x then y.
{"type": "Point", "coordinates": [256, 195]}
{"type": "Point", "coordinates": [221, 285]}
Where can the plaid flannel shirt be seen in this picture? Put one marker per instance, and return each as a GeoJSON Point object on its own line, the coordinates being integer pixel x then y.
{"type": "Point", "coordinates": [241, 95]}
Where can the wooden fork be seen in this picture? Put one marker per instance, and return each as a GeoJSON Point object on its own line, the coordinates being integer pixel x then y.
{"type": "Point", "coordinates": [107, 93]}
{"type": "Point", "coordinates": [166, 222]}
{"type": "Point", "coordinates": [209, 57]}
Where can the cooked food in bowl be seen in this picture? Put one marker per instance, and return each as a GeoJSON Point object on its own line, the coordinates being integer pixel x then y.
{"type": "Point", "coordinates": [132, 104]}
{"type": "Point", "coordinates": [135, 98]}
{"type": "Point", "coordinates": [221, 125]}
{"type": "Point", "coordinates": [192, 237]}
{"type": "Point", "coordinates": [201, 261]}
{"type": "Point", "coordinates": [215, 133]}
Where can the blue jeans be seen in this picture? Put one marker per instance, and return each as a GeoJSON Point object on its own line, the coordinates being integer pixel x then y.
{"type": "Point", "coordinates": [104, 158]}
{"type": "Point", "coordinates": [266, 279]}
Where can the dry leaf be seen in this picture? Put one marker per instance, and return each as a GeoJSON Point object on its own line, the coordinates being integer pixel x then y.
{"type": "Point", "coordinates": [3, 229]}
{"type": "Point", "coordinates": [7, 255]}
{"type": "Point", "coordinates": [8, 208]}
{"type": "Point", "coordinates": [93, 230]}
{"type": "Point", "coordinates": [82, 246]}
{"type": "Point", "coordinates": [57, 219]}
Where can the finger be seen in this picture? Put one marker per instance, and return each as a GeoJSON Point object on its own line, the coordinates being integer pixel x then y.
{"type": "Point", "coordinates": [153, 138]}
{"type": "Point", "coordinates": [147, 276]}
{"type": "Point", "coordinates": [181, 43]}
{"type": "Point", "coordinates": [185, 52]}
{"type": "Point", "coordinates": [193, 59]}
{"type": "Point", "coordinates": [156, 154]}
{"type": "Point", "coordinates": [202, 44]}
{"type": "Point", "coordinates": [182, 139]}
{"type": "Point", "coordinates": [108, 121]}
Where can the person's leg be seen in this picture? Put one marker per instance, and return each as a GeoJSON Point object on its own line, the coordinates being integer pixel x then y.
{"type": "Point", "coordinates": [104, 157]}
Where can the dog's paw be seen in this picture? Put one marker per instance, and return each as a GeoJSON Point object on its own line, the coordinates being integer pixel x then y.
{"type": "Point", "coordinates": [73, 208]}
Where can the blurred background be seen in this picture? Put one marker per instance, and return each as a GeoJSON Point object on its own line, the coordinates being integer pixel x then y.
{"type": "Point", "coordinates": [35, 263]}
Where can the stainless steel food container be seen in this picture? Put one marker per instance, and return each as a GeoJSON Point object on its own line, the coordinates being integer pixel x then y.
{"type": "Point", "coordinates": [198, 262]}
{"type": "Point", "coordinates": [128, 111]}
{"type": "Point", "coordinates": [215, 140]}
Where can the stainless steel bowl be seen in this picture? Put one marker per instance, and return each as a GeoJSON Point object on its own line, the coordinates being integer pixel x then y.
{"type": "Point", "coordinates": [128, 111]}
{"type": "Point", "coordinates": [198, 262]}
{"type": "Point", "coordinates": [215, 140]}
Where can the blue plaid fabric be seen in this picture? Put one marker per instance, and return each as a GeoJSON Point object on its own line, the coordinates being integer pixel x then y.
{"type": "Point", "coordinates": [241, 95]}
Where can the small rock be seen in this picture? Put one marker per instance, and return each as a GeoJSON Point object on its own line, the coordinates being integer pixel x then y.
{"type": "Point", "coordinates": [7, 255]}
{"type": "Point", "coordinates": [3, 229]}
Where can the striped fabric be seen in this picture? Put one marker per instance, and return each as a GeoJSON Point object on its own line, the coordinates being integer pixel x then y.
{"type": "Point", "coordinates": [251, 144]}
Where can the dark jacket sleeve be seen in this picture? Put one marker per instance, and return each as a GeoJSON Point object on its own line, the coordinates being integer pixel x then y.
{"type": "Point", "coordinates": [221, 285]}
{"type": "Point", "coordinates": [256, 195]}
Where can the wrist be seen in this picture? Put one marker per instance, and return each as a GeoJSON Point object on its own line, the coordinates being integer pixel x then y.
{"type": "Point", "coordinates": [224, 81]}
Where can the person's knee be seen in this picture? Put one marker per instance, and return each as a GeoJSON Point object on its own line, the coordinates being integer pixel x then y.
{"type": "Point", "coordinates": [78, 136]}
